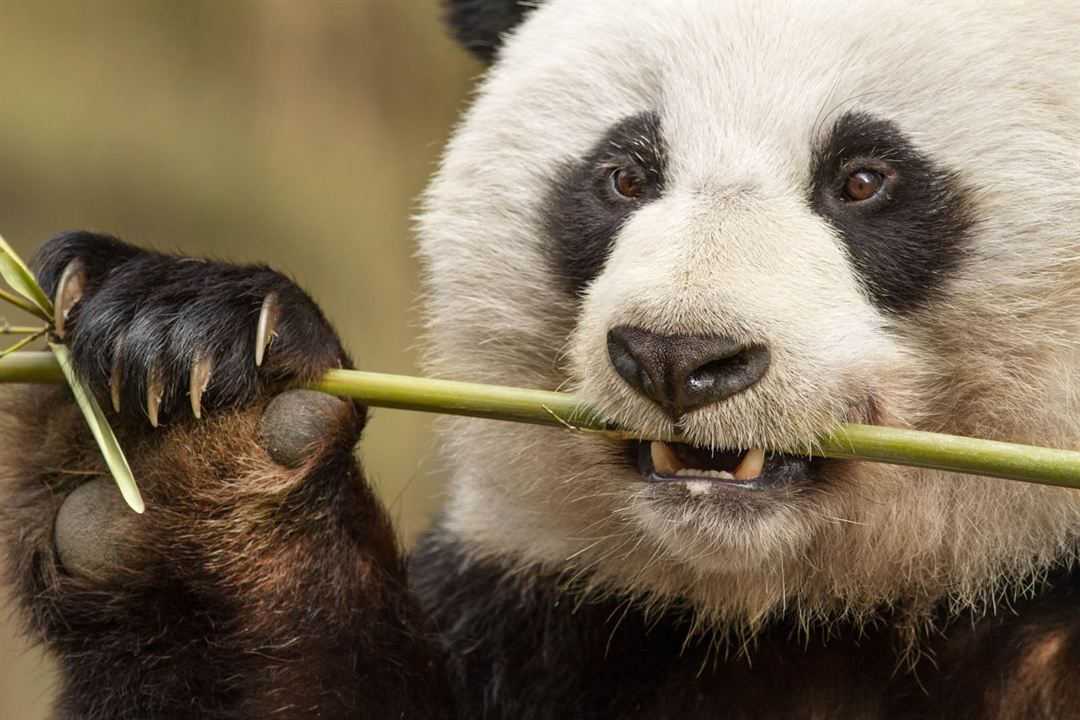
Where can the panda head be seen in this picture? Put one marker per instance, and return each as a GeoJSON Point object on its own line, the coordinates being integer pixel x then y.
{"type": "Point", "coordinates": [745, 223]}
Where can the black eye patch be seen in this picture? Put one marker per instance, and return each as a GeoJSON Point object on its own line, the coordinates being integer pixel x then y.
{"type": "Point", "coordinates": [907, 239]}
{"type": "Point", "coordinates": [584, 211]}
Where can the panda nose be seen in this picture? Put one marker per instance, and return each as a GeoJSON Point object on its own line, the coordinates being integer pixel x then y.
{"type": "Point", "coordinates": [684, 372]}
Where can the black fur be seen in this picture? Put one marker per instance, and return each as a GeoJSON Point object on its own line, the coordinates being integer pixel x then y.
{"type": "Point", "coordinates": [583, 214]}
{"type": "Point", "coordinates": [524, 649]}
{"type": "Point", "coordinates": [162, 310]}
{"type": "Point", "coordinates": [906, 241]}
{"type": "Point", "coordinates": [479, 25]}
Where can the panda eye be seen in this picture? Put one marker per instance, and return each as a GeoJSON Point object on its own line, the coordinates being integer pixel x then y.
{"type": "Point", "coordinates": [627, 183]}
{"type": "Point", "coordinates": [863, 184]}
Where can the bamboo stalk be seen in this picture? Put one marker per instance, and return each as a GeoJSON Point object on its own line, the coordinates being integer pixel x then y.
{"type": "Point", "coordinates": [40, 332]}
{"type": "Point", "coordinates": [30, 366]}
{"type": "Point", "coordinates": [849, 441]}
{"type": "Point", "coordinates": [22, 330]}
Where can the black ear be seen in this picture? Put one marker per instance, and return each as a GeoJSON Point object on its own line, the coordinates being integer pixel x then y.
{"type": "Point", "coordinates": [479, 25]}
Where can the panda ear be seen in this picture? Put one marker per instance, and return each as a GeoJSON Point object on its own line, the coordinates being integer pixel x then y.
{"type": "Point", "coordinates": [479, 25]}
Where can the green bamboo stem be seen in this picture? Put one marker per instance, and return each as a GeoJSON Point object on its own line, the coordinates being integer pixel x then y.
{"type": "Point", "coordinates": [21, 330]}
{"type": "Point", "coordinates": [8, 329]}
{"type": "Point", "coordinates": [848, 441]}
{"type": "Point", "coordinates": [38, 333]}
{"type": "Point", "coordinates": [30, 366]}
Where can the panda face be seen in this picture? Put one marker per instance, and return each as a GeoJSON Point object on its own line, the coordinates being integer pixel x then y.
{"type": "Point", "coordinates": [745, 224]}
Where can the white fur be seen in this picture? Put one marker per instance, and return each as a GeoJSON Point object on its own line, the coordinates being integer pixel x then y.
{"type": "Point", "coordinates": [744, 92]}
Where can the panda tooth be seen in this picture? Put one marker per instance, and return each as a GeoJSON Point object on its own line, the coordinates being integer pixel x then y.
{"type": "Point", "coordinates": [751, 465]}
{"type": "Point", "coordinates": [664, 460]}
{"type": "Point", "coordinates": [697, 473]}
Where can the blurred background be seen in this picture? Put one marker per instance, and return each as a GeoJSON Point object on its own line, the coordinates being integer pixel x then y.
{"type": "Point", "coordinates": [296, 132]}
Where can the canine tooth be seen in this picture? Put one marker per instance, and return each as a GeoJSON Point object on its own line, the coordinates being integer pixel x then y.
{"type": "Point", "coordinates": [69, 291]}
{"type": "Point", "coordinates": [664, 460]}
{"type": "Point", "coordinates": [751, 465]}
{"type": "Point", "coordinates": [264, 331]}
{"type": "Point", "coordinates": [201, 369]}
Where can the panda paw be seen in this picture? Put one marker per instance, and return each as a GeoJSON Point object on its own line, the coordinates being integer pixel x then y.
{"type": "Point", "coordinates": [175, 337]}
{"type": "Point", "coordinates": [99, 540]}
{"type": "Point", "coordinates": [263, 574]}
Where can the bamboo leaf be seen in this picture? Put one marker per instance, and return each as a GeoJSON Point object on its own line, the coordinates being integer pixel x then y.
{"type": "Point", "coordinates": [99, 427]}
{"type": "Point", "coordinates": [21, 280]}
{"type": "Point", "coordinates": [18, 302]}
{"type": "Point", "coordinates": [18, 276]}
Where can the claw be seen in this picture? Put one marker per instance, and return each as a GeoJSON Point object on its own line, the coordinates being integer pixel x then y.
{"type": "Point", "coordinates": [155, 389]}
{"type": "Point", "coordinates": [115, 378]}
{"type": "Point", "coordinates": [69, 290]}
{"type": "Point", "coordinates": [201, 369]}
{"type": "Point", "coordinates": [264, 332]}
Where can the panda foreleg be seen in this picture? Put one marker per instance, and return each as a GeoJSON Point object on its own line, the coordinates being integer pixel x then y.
{"type": "Point", "coordinates": [264, 578]}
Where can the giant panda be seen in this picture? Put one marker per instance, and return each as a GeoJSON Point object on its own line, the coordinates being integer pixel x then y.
{"type": "Point", "coordinates": [743, 223]}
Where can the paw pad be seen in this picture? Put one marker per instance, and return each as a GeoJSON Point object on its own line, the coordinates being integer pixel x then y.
{"type": "Point", "coordinates": [95, 532]}
{"type": "Point", "coordinates": [297, 421]}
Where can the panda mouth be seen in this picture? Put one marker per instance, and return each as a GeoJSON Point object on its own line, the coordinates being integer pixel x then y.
{"type": "Point", "coordinates": [701, 469]}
